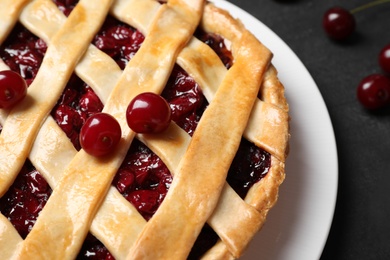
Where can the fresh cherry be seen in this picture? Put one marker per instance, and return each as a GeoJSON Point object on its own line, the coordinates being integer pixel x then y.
{"type": "Point", "coordinates": [338, 23]}
{"type": "Point", "coordinates": [373, 91]}
{"type": "Point", "coordinates": [384, 59]}
{"type": "Point", "coordinates": [13, 88]}
{"type": "Point", "coordinates": [100, 134]}
{"type": "Point", "coordinates": [148, 113]}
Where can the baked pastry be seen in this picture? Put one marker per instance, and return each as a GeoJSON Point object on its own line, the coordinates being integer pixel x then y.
{"type": "Point", "coordinates": [201, 188]}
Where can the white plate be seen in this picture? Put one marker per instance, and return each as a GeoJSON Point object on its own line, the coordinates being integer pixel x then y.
{"type": "Point", "coordinates": [298, 226]}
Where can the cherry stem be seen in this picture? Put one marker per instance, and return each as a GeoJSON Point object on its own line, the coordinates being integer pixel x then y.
{"type": "Point", "coordinates": [368, 5]}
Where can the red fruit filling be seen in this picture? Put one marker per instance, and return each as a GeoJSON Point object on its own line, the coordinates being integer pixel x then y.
{"type": "Point", "coordinates": [76, 104]}
{"type": "Point", "coordinates": [66, 6]}
{"type": "Point", "coordinates": [185, 99]}
{"type": "Point", "coordinates": [143, 178]}
{"type": "Point", "coordinates": [217, 43]}
{"type": "Point", "coordinates": [23, 52]}
{"type": "Point", "coordinates": [93, 249]}
{"type": "Point", "coordinates": [25, 199]}
{"type": "Point", "coordinates": [118, 40]}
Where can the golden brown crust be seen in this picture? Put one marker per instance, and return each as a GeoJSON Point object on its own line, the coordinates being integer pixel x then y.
{"type": "Point", "coordinates": [266, 126]}
{"type": "Point", "coordinates": [9, 13]}
{"type": "Point", "coordinates": [220, 129]}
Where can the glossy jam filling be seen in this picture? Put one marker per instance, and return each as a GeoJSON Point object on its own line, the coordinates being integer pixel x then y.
{"type": "Point", "coordinates": [143, 179]}
{"type": "Point", "coordinates": [217, 43]}
{"type": "Point", "coordinates": [25, 199]}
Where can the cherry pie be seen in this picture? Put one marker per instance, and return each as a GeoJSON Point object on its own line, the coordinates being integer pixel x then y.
{"type": "Point", "coordinates": [200, 189]}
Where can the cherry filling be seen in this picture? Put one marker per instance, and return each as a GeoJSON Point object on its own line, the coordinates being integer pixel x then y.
{"type": "Point", "coordinates": [217, 43]}
{"type": "Point", "coordinates": [76, 104]}
{"type": "Point", "coordinates": [23, 52]}
{"type": "Point", "coordinates": [66, 6]}
{"type": "Point", "coordinates": [143, 178]}
{"type": "Point", "coordinates": [25, 199]}
{"type": "Point", "coordinates": [185, 99]}
{"type": "Point", "coordinates": [118, 40]}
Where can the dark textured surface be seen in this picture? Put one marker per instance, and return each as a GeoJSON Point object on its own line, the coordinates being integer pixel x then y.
{"type": "Point", "coordinates": [361, 226]}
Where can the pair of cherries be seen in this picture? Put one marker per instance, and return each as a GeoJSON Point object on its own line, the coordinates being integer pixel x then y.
{"type": "Point", "coordinates": [146, 113]}
{"type": "Point", "coordinates": [373, 91]}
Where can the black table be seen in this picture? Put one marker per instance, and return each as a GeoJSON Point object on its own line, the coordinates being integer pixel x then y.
{"type": "Point", "coordinates": [361, 225]}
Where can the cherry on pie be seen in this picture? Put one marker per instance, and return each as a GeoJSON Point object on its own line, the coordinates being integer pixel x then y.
{"type": "Point", "coordinates": [200, 189]}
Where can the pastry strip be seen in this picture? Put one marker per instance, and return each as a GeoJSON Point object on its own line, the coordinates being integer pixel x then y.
{"type": "Point", "coordinates": [24, 121]}
{"type": "Point", "coordinates": [263, 196]}
{"type": "Point", "coordinates": [9, 238]}
{"type": "Point", "coordinates": [226, 116]}
{"type": "Point", "coordinates": [92, 66]}
{"type": "Point", "coordinates": [136, 13]}
{"type": "Point", "coordinates": [9, 13]}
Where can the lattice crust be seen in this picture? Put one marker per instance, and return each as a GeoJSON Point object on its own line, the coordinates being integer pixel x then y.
{"type": "Point", "coordinates": [81, 183]}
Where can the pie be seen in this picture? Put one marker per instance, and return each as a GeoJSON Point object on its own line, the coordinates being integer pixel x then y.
{"type": "Point", "coordinates": [200, 189]}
